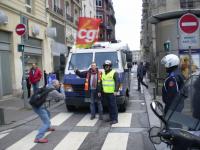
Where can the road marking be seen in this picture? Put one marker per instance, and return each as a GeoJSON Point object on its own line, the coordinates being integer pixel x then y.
{"type": "Point", "coordinates": [115, 141]}
{"type": "Point", "coordinates": [3, 135]}
{"type": "Point", "coordinates": [124, 120]}
{"type": "Point", "coordinates": [72, 141]}
{"type": "Point", "coordinates": [26, 142]}
{"type": "Point", "coordinates": [85, 121]}
{"type": "Point", "coordinates": [60, 118]}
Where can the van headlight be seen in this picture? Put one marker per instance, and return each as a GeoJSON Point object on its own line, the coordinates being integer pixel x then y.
{"type": "Point", "coordinates": [68, 88]}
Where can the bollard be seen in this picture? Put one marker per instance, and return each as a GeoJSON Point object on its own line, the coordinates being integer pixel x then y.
{"type": "Point", "coordinates": [2, 120]}
{"type": "Point", "coordinates": [154, 93]}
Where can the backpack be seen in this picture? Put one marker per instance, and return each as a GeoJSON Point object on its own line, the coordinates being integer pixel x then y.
{"type": "Point", "coordinates": [39, 97]}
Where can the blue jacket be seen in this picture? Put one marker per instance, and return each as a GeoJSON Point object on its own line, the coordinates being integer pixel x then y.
{"type": "Point", "coordinates": [171, 87]}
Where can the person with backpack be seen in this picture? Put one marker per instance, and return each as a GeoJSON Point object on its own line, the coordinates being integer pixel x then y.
{"type": "Point", "coordinates": [37, 102]}
{"type": "Point", "coordinates": [141, 71]}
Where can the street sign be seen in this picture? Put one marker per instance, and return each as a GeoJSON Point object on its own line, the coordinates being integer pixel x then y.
{"type": "Point", "coordinates": [20, 29]}
{"type": "Point", "coordinates": [20, 48]}
{"type": "Point", "coordinates": [189, 23]}
{"type": "Point", "coordinates": [167, 46]}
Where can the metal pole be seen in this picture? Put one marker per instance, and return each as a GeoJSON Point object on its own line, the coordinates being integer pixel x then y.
{"type": "Point", "coordinates": [190, 61]}
{"type": "Point", "coordinates": [154, 93]}
{"type": "Point", "coordinates": [25, 95]}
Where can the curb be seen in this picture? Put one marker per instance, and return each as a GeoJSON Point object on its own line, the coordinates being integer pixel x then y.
{"type": "Point", "coordinates": [33, 117]}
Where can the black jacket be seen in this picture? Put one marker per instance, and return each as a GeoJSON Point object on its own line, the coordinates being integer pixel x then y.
{"type": "Point", "coordinates": [171, 87]}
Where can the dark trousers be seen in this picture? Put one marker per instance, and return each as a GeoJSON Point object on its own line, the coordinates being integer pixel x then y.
{"type": "Point", "coordinates": [112, 106]}
{"type": "Point", "coordinates": [140, 81]}
{"type": "Point", "coordinates": [95, 99]}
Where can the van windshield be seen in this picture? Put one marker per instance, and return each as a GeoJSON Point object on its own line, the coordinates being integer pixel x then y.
{"type": "Point", "coordinates": [80, 61]}
{"type": "Point", "coordinates": [100, 58]}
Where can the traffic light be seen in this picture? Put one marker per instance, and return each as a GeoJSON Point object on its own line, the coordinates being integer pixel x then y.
{"type": "Point", "coordinates": [167, 46]}
{"type": "Point", "coordinates": [20, 48]}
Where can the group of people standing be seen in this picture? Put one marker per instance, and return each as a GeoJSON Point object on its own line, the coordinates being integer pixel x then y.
{"type": "Point", "coordinates": [98, 85]}
{"type": "Point", "coordinates": [101, 85]}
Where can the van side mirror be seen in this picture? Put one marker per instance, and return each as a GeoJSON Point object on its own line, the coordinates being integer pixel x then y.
{"type": "Point", "coordinates": [62, 62]}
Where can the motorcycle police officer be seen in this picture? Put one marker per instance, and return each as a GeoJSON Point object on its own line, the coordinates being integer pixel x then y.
{"type": "Point", "coordinates": [174, 80]}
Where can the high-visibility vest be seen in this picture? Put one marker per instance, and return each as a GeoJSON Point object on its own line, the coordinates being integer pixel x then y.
{"type": "Point", "coordinates": [108, 82]}
{"type": "Point", "coordinates": [86, 87]}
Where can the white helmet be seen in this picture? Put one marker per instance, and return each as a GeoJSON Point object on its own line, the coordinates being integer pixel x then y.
{"type": "Point", "coordinates": [107, 62]}
{"type": "Point", "coordinates": [170, 60]}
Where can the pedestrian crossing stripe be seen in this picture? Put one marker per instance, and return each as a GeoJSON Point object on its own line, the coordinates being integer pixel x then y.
{"type": "Point", "coordinates": [72, 141]}
{"type": "Point", "coordinates": [60, 118]}
{"type": "Point", "coordinates": [26, 142]}
{"type": "Point", "coordinates": [115, 141]}
{"type": "Point", "coordinates": [124, 120]}
{"type": "Point", "coordinates": [86, 121]}
{"type": "Point", "coordinates": [3, 135]}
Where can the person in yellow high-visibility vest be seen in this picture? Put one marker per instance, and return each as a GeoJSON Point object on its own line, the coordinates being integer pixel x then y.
{"type": "Point", "coordinates": [109, 85]}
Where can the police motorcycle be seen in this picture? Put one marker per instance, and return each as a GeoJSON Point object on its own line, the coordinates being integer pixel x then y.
{"type": "Point", "coordinates": [180, 126]}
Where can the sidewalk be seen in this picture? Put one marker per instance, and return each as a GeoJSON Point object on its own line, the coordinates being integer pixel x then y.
{"type": "Point", "coordinates": [15, 114]}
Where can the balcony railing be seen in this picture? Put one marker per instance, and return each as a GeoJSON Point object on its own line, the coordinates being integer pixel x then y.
{"type": "Point", "coordinates": [58, 10]}
{"type": "Point", "coordinates": [70, 18]}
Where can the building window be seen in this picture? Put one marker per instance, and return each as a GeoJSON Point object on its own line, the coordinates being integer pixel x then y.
{"type": "Point", "coordinates": [186, 4]}
{"type": "Point", "coordinates": [99, 3]}
{"type": "Point", "coordinates": [67, 8]}
{"type": "Point", "coordinates": [101, 35]}
{"type": "Point", "coordinates": [56, 3]}
{"type": "Point", "coordinates": [76, 16]}
{"type": "Point", "coordinates": [28, 6]}
{"type": "Point", "coordinates": [84, 10]}
{"type": "Point", "coordinates": [99, 15]}
{"type": "Point", "coordinates": [90, 14]}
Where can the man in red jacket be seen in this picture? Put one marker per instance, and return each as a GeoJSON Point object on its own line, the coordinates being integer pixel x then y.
{"type": "Point", "coordinates": [35, 75]}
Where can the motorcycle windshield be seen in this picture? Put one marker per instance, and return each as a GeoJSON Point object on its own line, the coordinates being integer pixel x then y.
{"type": "Point", "coordinates": [184, 112]}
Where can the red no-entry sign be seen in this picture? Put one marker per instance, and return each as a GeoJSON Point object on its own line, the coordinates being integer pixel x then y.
{"type": "Point", "coordinates": [20, 29]}
{"type": "Point", "coordinates": [189, 23]}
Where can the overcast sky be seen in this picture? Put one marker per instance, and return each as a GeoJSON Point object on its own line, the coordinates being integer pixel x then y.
{"type": "Point", "coordinates": [128, 15]}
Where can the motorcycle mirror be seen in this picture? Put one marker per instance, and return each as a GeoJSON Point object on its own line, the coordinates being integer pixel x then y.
{"type": "Point", "coordinates": [154, 135]}
{"type": "Point", "coordinates": [158, 110]}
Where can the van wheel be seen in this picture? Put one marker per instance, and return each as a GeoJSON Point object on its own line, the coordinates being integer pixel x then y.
{"type": "Point", "coordinates": [70, 107]}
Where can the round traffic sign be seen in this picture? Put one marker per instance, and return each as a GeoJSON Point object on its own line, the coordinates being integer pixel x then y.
{"type": "Point", "coordinates": [189, 23]}
{"type": "Point", "coordinates": [20, 29]}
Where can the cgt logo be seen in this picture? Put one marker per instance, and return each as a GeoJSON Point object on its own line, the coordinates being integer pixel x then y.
{"type": "Point", "coordinates": [88, 35]}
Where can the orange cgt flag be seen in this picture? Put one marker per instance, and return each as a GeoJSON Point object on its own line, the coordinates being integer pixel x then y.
{"type": "Point", "coordinates": [88, 32]}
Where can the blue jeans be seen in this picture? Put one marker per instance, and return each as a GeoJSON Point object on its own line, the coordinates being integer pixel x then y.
{"type": "Point", "coordinates": [94, 99]}
{"type": "Point", "coordinates": [35, 86]}
{"type": "Point", "coordinates": [112, 105]}
{"type": "Point", "coordinates": [44, 115]}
